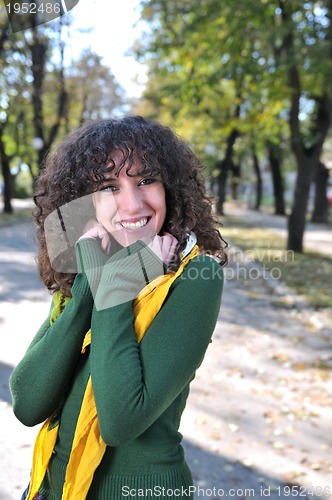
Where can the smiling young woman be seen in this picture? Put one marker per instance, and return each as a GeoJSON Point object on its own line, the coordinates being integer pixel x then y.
{"type": "Point", "coordinates": [110, 368]}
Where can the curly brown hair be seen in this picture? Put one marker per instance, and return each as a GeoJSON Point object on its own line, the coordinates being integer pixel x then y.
{"type": "Point", "coordinates": [78, 167]}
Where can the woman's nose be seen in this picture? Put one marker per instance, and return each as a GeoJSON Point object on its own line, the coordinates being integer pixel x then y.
{"type": "Point", "coordinates": [131, 200]}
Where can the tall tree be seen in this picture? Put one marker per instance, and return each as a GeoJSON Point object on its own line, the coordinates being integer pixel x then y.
{"type": "Point", "coordinates": [41, 99]}
{"type": "Point", "coordinates": [214, 60]}
{"type": "Point", "coordinates": [307, 146]}
{"type": "Point", "coordinates": [40, 46]}
{"type": "Point", "coordinates": [93, 92]}
{"type": "Point", "coordinates": [25, 60]}
{"type": "Point", "coordinates": [4, 157]}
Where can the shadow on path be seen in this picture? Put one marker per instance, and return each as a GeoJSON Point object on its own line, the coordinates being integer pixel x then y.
{"type": "Point", "coordinates": [5, 371]}
{"type": "Point", "coordinates": [19, 279]}
{"type": "Point", "coordinates": [217, 477]}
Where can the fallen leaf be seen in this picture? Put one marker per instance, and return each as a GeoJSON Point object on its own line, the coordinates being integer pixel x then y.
{"type": "Point", "coordinates": [278, 445]}
{"type": "Point", "coordinates": [233, 427]}
{"type": "Point", "coordinates": [215, 435]}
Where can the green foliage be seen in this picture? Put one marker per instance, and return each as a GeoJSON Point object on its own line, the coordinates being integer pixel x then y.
{"type": "Point", "coordinates": [23, 185]}
{"type": "Point", "coordinates": [92, 91]}
{"type": "Point", "coordinates": [40, 97]}
{"type": "Point", "coordinates": [205, 58]}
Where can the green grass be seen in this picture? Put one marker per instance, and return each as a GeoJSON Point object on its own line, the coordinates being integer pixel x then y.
{"type": "Point", "coordinates": [308, 274]}
{"type": "Point", "coordinates": [18, 214]}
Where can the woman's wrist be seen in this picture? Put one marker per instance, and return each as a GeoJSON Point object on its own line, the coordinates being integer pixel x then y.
{"type": "Point", "coordinates": [90, 261]}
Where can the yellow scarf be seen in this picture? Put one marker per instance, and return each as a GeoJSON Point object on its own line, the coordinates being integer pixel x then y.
{"type": "Point", "coordinates": [88, 447]}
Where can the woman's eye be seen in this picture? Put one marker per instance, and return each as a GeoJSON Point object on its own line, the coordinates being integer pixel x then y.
{"type": "Point", "coordinates": [147, 181]}
{"type": "Point", "coordinates": [108, 189]}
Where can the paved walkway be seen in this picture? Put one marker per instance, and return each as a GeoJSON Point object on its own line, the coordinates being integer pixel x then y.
{"type": "Point", "coordinates": [258, 421]}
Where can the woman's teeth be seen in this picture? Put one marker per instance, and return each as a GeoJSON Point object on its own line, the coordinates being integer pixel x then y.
{"type": "Point", "coordinates": [135, 225]}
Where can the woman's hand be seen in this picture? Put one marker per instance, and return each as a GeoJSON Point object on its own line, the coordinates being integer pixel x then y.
{"type": "Point", "coordinates": [126, 274]}
{"type": "Point", "coordinates": [164, 247]}
{"type": "Point", "coordinates": [96, 231]}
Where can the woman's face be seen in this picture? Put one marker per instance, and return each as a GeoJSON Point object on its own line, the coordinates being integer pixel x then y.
{"type": "Point", "coordinates": [131, 207]}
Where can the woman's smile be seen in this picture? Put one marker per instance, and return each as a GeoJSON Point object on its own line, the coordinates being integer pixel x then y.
{"type": "Point", "coordinates": [135, 223]}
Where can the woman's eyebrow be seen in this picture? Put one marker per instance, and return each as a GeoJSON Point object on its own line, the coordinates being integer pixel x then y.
{"type": "Point", "coordinates": [111, 179]}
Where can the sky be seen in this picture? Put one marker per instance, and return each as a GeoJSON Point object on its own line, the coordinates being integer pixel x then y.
{"type": "Point", "coordinates": [113, 33]}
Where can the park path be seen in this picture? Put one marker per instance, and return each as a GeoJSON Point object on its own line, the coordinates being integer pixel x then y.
{"type": "Point", "coordinates": [258, 419]}
{"type": "Point", "coordinates": [317, 237]}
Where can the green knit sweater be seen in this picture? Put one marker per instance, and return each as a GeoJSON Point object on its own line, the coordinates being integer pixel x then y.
{"type": "Point", "coordinates": [140, 389]}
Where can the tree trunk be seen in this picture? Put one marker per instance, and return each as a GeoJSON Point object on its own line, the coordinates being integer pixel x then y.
{"type": "Point", "coordinates": [224, 167]}
{"type": "Point", "coordinates": [277, 180]}
{"type": "Point", "coordinates": [236, 174]}
{"type": "Point", "coordinates": [7, 181]}
{"type": "Point", "coordinates": [222, 181]}
{"type": "Point", "coordinates": [321, 208]}
{"type": "Point", "coordinates": [38, 49]}
{"type": "Point", "coordinates": [307, 158]}
{"type": "Point", "coordinates": [4, 159]}
{"type": "Point", "coordinates": [62, 99]}
{"type": "Point", "coordinates": [259, 183]}
{"type": "Point", "coordinates": [297, 218]}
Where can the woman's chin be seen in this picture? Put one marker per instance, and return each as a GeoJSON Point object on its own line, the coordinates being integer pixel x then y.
{"type": "Point", "coordinates": [128, 237]}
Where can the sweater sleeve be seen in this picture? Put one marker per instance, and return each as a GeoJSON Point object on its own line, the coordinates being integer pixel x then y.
{"type": "Point", "coordinates": [126, 273]}
{"type": "Point", "coordinates": [39, 382]}
{"type": "Point", "coordinates": [135, 383]}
